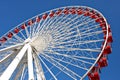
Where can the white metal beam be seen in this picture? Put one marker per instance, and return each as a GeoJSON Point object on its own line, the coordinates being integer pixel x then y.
{"type": "Point", "coordinates": [10, 69]}
{"type": "Point", "coordinates": [3, 60]}
{"type": "Point", "coordinates": [30, 63]}
{"type": "Point", "coordinates": [39, 70]}
{"type": "Point", "coordinates": [11, 47]}
{"type": "Point", "coordinates": [19, 73]}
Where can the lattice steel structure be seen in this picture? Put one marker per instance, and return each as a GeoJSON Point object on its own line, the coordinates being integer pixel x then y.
{"type": "Point", "coordinates": [67, 43]}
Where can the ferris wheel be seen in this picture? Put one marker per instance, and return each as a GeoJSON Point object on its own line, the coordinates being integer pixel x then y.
{"type": "Point", "coordinates": [67, 43]}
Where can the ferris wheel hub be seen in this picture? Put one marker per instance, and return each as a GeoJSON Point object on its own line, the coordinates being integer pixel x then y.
{"type": "Point", "coordinates": [41, 42]}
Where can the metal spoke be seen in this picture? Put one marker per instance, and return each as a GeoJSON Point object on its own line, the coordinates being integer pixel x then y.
{"type": "Point", "coordinates": [68, 56]}
{"type": "Point", "coordinates": [66, 60]}
{"type": "Point", "coordinates": [48, 68]}
{"type": "Point", "coordinates": [67, 71]}
{"type": "Point", "coordinates": [39, 71]}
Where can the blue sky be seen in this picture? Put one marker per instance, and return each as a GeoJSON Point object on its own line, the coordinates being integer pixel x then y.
{"type": "Point", "coordinates": [13, 12]}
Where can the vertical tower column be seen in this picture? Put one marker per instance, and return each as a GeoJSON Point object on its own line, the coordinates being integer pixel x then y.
{"type": "Point", "coordinates": [30, 63]}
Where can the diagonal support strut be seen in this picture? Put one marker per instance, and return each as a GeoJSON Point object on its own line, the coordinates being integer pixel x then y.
{"type": "Point", "coordinates": [10, 69]}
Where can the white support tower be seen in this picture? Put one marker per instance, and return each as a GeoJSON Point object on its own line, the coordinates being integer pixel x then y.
{"type": "Point", "coordinates": [11, 68]}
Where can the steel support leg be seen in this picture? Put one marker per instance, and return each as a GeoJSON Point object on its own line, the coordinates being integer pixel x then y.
{"type": "Point", "coordinates": [30, 64]}
{"type": "Point", "coordinates": [11, 68]}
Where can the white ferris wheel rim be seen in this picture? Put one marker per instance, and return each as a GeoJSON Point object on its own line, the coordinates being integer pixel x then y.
{"type": "Point", "coordinates": [82, 7]}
